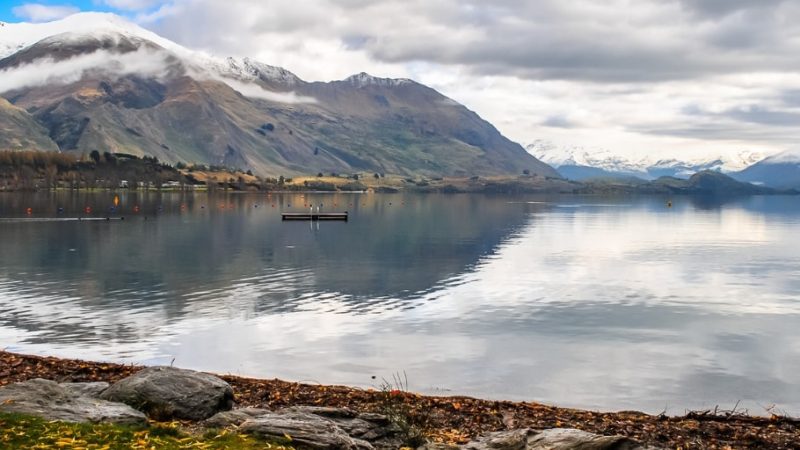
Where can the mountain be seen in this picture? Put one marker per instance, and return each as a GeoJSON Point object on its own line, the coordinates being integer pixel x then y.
{"type": "Point", "coordinates": [20, 131]}
{"type": "Point", "coordinates": [579, 163]}
{"type": "Point", "coordinates": [113, 86]}
{"type": "Point", "coordinates": [703, 183]}
{"type": "Point", "coordinates": [710, 182]}
{"type": "Point", "coordinates": [779, 171]}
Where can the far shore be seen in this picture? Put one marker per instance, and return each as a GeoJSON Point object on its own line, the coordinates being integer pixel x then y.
{"type": "Point", "coordinates": [458, 419]}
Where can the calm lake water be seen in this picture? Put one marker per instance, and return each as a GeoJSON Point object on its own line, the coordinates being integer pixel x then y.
{"type": "Point", "coordinates": [602, 303]}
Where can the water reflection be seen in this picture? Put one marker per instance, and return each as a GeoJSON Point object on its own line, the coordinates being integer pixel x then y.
{"type": "Point", "coordinates": [588, 302]}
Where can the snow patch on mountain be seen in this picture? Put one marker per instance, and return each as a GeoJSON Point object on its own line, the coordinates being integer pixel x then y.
{"type": "Point", "coordinates": [364, 79]}
{"type": "Point", "coordinates": [240, 74]}
{"type": "Point", "coordinates": [17, 36]}
{"type": "Point", "coordinates": [558, 156]}
{"type": "Point", "coordinates": [646, 166]}
{"type": "Point", "coordinates": [250, 70]}
{"type": "Point", "coordinates": [786, 157]}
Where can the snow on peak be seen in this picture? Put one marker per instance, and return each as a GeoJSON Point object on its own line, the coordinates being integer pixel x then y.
{"type": "Point", "coordinates": [579, 156]}
{"type": "Point", "coordinates": [608, 160]}
{"type": "Point", "coordinates": [88, 25]}
{"type": "Point", "coordinates": [104, 27]}
{"type": "Point", "coordinates": [248, 69]}
{"type": "Point", "coordinates": [364, 79]}
{"type": "Point", "coordinates": [785, 157]}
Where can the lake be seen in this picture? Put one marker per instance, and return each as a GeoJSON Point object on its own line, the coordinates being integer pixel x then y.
{"type": "Point", "coordinates": [601, 303]}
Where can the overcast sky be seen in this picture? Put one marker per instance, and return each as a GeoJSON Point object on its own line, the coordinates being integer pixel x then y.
{"type": "Point", "coordinates": [666, 77]}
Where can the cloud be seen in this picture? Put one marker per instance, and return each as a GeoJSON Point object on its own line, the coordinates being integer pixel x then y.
{"type": "Point", "coordinates": [558, 122]}
{"type": "Point", "coordinates": [131, 5]}
{"type": "Point", "coordinates": [253, 90]}
{"type": "Point", "coordinates": [625, 72]}
{"type": "Point", "coordinates": [717, 8]}
{"type": "Point", "coordinates": [46, 71]}
{"type": "Point", "coordinates": [36, 12]}
{"type": "Point", "coordinates": [614, 41]}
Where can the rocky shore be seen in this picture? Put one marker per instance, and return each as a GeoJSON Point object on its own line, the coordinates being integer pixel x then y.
{"type": "Point", "coordinates": [337, 417]}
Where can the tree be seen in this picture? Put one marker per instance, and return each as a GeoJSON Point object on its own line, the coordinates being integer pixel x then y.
{"type": "Point", "coordinates": [51, 176]}
{"type": "Point", "coordinates": [377, 176]}
{"type": "Point", "coordinates": [95, 155]}
{"type": "Point", "coordinates": [319, 175]}
{"type": "Point", "coordinates": [526, 172]}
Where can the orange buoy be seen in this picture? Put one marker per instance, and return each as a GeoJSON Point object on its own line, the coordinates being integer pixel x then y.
{"type": "Point", "coordinates": [29, 211]}
{"type": "Point", "coordinates": [88, 210]}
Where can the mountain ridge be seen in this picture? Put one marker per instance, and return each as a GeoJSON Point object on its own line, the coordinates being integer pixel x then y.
{"type": "Point", "coordinates": [123, 89]}
{"type": "Point", "coordinates": [579, 163]}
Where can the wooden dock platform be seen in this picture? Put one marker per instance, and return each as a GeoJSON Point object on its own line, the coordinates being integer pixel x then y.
{"type": "Point", "coordinates": [342, 216]}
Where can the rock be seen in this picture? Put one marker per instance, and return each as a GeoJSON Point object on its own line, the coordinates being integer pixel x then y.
{"type": "Point", "coordinates": [502, 440]}
{"type": "Point", "coordinates": [379, 419]}
{"type": "Point", "coordinates": [367, 426]}
{"type": "Point", "coordinates": [438, 446]}
{"type": "Point", "coordinates": [51, 401]}
{"type": "Point", "coordinates": [325, 411]}
{"type": "Point", "coordinates": [92, 390]}
{"type": "Point", "coordinates": [233, 417]}
{"type": "Point", "coordinates": [569, 439]}
{"type": "Point", "coordinates": [305, 429]}
{"type": "Point", "coordinates": [166, 393]}
{"type": "Point", "coordinates": [555, 439]}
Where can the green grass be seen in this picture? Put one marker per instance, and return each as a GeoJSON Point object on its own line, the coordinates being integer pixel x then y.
{"type": "Point", "coordinates": [25, 432]}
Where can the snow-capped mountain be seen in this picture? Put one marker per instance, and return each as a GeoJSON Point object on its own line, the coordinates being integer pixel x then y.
{"type": "Point", "coordinates": [96, 81]}
{"type": "Point", "coordinates": [106, 27]}
{"type": "Point", "coordinates": [605, 160]}
{"type": "Point", "coordinates": [578, 163]}
{"type": "Point", "coordinates": [16, 36]}
{"type": "Point", "coordinates": [778, 171]}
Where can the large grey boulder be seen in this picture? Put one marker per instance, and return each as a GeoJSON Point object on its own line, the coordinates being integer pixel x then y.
{"type": "Point", "coordinates": [165, 393]}
{"type": "Point", "coordinates": [51, 401]}
{"type": "Point", "coordinates": [308, 430]}
{"type": "Point", "coordinates": [92, 390]}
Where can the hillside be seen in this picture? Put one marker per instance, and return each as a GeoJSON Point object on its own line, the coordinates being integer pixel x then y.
{"type": "Point", "coordinates": [779, 171]}
{"type": "Point", "coordinates": [707, 182]}
{"type": "Point", "coordinates": [118, 88]}
{"type": "Point", "coordinates": [20, 131]}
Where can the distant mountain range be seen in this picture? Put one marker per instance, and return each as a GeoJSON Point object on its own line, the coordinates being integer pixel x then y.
{"type": "Point", "coordinates": [780, 171]}
{"type": "Point", "coordinates": [97, 82]}
{"type": "Point", "coordinates": [578, 163]}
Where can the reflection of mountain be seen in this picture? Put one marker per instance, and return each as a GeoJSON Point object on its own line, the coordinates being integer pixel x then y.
{"type": "Point", "coordinates": [210, 260]}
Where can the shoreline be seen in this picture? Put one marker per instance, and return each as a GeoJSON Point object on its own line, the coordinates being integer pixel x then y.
{"type": "Point", "coordinates": [457, 419]}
